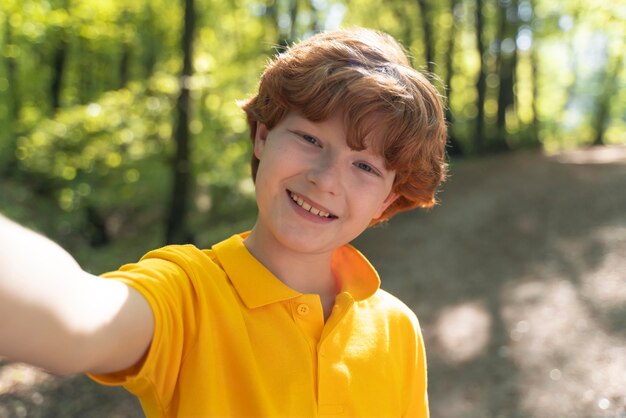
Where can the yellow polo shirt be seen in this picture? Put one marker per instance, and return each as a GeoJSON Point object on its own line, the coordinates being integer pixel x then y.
{"type": "Point", "coordinates": [231, 340]}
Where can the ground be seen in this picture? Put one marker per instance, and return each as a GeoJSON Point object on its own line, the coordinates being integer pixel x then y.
{"type": "Point", "coordinates": [518, 278]}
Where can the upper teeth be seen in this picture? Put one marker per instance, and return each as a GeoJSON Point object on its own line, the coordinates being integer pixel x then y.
{"type": "Point", "coordinates": [304, 205]}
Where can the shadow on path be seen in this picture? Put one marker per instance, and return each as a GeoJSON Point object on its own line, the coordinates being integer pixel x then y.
{"type": "Point", "coordinates": [519, 285]}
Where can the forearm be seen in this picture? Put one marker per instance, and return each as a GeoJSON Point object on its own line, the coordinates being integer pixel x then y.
{"type": "Point", "coordinates": [56, 316]}
{"type": "Point", "coordinates": [38, 293]}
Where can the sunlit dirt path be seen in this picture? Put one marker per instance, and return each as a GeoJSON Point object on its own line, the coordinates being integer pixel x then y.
{"type": "Point", "coordinates": [518, 278]}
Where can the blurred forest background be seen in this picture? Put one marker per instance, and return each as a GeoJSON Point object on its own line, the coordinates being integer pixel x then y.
{"type": "Point", "coordinates": [123, 114]}
{"type": "Point", "coordinates": [120, 128]}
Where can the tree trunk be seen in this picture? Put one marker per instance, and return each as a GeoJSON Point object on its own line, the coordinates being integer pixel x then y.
{"type": "Point", "coordinates": [609, 87]}
{"type": "Point", "coordinates": [572, 82]}
{"type": "Point", "coordinates": [271, 13]}
{"type": "Point", "coordinates": [85, 77]}
{"type": "Point", "coordinates": [124, 64]}
{"type": "Point", "coordinates": [9, 162]}
{"type": "Point", "coordinates": [501, 63]}
{"type": "Point", "coordinates": [147, 36]}
{"type": "Point", "coordinates": [315, 21]}
{"type": "Point", "coordinates": [11, 69]}
{"type": "Point", "coordinates": [454, 147]}
{"type": "Point", "coordinates": [125, 53]}
{"type": "Point", "coordinates": [506, 67]}
{"type": "Point", "coordinates": [481, 83]}
{"type": "Point", "coordinates": [535, 94]}
{"type": "Point", "coordinates": [96, 230]}
{"type": "Point", "coordinates": [427, 30]}
{"type": "Point", "coordinates": [176, 230]}
{"type": "Point", "coordinates": [406, 26]}
{"type": "Point", "coordinates": [534, 59]}
{"type": "Point", "coordinates": [58, 68]}
{"type": "Point", "coordinates": [293, 15]}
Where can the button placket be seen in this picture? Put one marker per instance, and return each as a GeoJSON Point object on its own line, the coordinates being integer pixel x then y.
{"type": "Point", "coordinates": [329, 402]}
{"type": "Point", "coordinates": [307, 314]}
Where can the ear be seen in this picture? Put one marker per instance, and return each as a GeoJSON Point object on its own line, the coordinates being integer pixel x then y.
{"type": "Point", "coordinates": [260, 137]}
{"type": "Point", "coordinates": [386, 203]}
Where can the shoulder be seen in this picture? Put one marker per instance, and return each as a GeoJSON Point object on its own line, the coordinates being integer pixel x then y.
{"type": "Point", "coordinates": [393, 310]}
{"type": "Point", "coordinates": [174, 271]}
{"type": "Point", "coordinates": [173, 260]}
{"type": "Point", "coordinates": [188, 255]}
{"type": "Point", "coordinates": [390, 303]}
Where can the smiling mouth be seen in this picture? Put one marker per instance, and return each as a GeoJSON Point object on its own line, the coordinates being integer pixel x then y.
{"type": "Point", "coordinates": [304, 205]}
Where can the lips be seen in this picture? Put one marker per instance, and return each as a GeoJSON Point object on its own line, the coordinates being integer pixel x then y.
{"type": "Point", "coordinates": [310, 208]}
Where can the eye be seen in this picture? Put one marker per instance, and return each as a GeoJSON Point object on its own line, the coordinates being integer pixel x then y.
{"type": "Point", "coordinates": [306, 137]}
{"type": "Point", "coordinates": [309, 139]}
{"type": "Point", "coordinates": [367, 168]}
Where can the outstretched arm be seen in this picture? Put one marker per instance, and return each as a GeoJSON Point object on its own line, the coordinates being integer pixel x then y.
{"type": "Point", "coordinates": [56, 316]}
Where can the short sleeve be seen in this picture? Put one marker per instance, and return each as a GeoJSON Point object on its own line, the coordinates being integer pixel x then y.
{"type": "Point", "coordinates": [165, 278]}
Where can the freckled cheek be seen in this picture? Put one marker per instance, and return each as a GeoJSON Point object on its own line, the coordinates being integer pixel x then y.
{"type": "Point", "coordinates": [370, 185]}
{"type": "Point", "coordinates": [377, 193]}
{"type": "Point", "coordinates": [366, 195]}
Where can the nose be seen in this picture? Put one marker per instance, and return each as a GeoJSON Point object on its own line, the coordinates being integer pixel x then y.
{"type": "Point", "coordinates": [326, 174]}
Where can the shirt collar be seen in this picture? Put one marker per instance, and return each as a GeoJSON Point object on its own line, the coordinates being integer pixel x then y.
{"type": "Point", "coordinates": [354, 272]}
{"type": "Point", "coordinates": [257, 286]}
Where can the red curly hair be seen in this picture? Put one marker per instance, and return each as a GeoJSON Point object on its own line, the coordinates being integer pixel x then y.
{"type": "Point", "coordinates": [365, 75]}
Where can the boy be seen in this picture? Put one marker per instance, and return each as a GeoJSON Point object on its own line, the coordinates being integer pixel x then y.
{"type": "Point", "coordinates": [288, 319]}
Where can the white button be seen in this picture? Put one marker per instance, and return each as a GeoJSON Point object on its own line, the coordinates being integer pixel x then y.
{"type": "Point", "coordinates": [303, 309]}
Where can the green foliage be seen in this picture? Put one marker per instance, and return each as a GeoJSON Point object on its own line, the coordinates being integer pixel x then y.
{"type": "Point", "coordinates": [109, 146]}
{"type": "Point", "coordinates": [88, 89]}
{"type": "Point", "coordinates": [570, 44]}
{"type": "Point", "coordinates": [102, 154]}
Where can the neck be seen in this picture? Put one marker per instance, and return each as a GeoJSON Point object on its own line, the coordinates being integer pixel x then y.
{"type": "Point", "coordinates": [304, 272]}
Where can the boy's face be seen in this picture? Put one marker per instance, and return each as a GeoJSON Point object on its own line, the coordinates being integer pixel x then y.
{"type": "Point", "coordinates": [314, 193]}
